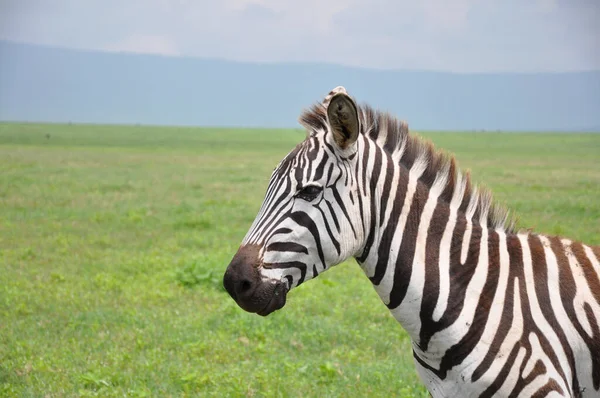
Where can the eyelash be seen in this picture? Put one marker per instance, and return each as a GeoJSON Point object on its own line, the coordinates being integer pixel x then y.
{"type": "Point", "coordinates": [309, 192]}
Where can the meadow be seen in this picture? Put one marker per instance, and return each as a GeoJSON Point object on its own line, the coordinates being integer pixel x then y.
{"type": "Point", "coordinates": [114, 240]}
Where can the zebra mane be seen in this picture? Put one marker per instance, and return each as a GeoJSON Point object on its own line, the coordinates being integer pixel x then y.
{"type": "Point", "coordinates": [407, 148]}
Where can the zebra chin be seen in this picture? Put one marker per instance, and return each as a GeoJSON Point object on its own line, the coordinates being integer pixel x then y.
{"type": "Point", "coordinates": [248, 288]}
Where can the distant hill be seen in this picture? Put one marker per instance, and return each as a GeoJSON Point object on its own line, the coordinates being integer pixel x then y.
{"type": "Point", "coordinates": [58, 85]}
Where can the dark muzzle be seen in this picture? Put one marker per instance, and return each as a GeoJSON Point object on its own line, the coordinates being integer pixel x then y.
{"type": "Point", "coordinates": [245, 285]}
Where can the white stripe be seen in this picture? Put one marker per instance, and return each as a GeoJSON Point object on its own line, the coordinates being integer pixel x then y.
{"type": "Point", "coordinates": [468, 230]}
{"type": "Point", "coordinates": [512, 338]}
{"type": "Point", "coordinates": [455, 332]}
{"type": "Point", "coordinates": [583, 360]}
{"type": "Point", "coordinates": [536, 312]}
{"type": "Point", "coordinates": [408, 312]}
{"type": "Point", "coordinates": [387, 283]}
{"type": "Point", "coordinates": [513, 376]}
{"type": "Point", "coordinates": [401, 146]}
{"type": "Point", "coordinates": [583, 294]}
{"type": "Point", "coordinates": [590, 254]}
{"type": "Point", "coordinates": [445, 247]}
{"type": "Point", "coordinates": [383, 131]}
{"type": "Point", "coordinates": [373, 255]}
{"type": "Point", "coordinates": [496, 310]}
{"type": "Point", "coordinates": [268, 213]}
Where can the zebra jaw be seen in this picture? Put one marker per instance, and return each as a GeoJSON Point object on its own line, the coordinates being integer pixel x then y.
{"type": "Point", "coordinates": [248, 288]}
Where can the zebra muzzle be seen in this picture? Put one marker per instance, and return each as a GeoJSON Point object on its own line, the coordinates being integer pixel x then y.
{"type": "Point", "coordinates": [248, 288]}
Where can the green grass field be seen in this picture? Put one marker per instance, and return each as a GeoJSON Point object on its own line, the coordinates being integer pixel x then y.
{"type": "Point", "coordinates": [113, 242]}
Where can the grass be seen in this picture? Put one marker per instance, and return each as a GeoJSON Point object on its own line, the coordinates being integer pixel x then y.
{"type": "Point", "coordinates": [113, 242]}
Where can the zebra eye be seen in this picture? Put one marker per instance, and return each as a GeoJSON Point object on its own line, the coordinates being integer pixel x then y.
{"type": "Point", "coordinates": [309, 192]}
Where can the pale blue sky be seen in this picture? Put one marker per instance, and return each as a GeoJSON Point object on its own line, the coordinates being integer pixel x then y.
{"type": "Point", "coordinates": [448, 35]}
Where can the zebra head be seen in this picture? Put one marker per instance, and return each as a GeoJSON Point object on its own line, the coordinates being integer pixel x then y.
{"type": "Point", "coordinates": [310, 217]}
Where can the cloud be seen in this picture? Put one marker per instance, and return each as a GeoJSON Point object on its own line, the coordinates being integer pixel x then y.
{"type": "Point", "coordinates": [461, 36]}
{"type": "Point", "coordinates": [145, 44]}
{"type": "Point", "coordinates": [547, 5]}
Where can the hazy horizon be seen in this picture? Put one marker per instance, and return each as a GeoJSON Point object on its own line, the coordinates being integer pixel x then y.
{"type": "Point", "coordinates": [41, 83]}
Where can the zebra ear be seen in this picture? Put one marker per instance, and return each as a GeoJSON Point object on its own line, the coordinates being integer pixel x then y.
{"type": "Point", "coordinates": [343, 119]}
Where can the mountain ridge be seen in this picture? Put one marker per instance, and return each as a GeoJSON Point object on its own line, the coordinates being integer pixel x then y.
{"type": "Point", "coordinates": [53, 84]}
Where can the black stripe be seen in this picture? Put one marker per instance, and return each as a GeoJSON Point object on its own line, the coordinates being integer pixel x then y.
{"type": "Point", "coordinates": [268, 226]}
{"type": "Point", "coordinates": [385, 242]}
{"type": "Point", "coordinates": [321, 168]}
{"type": "Point", "coordinates": [341, 205]}
{"type": "Point", "coordinates": [426, 365]}
{"type": "Point", "coordinates": [333, 215]}
{"type": "Point", "coordinates": [387, 184]}
{"type": "Point", "coordinates": [375, 220]}
{"type": "Point", "coordinates": [458, 352]}
{"type": "Point", "coordinates": [406, 252]}
{"type": "Point", "coordinates": [281, 231]}
{"type": "Point", "coordinates": [305, 221]}
{"type": "Point", "coordinates": [501, 377]}
{"type": "Point", "coordinates": [540, 266]}
{"type": "Point", "coordinates": [506, 320]}
{"type": "Point", "coordinates": [460, 276]}
{"type": "Point", "coordinates": [287, 247]}
{"type": "Point", "coordinates": [289, 264]}
{"type": "Point", "coordinates": [274, 205]}
{"type": "Point", "coordinates": [431, 292]}
{"type": "Point", "coordinates": [365, 163]}
{"type": "Point", "coordinates": [567, 294]}
{"type": "Point", "coordinates": [329, 233]}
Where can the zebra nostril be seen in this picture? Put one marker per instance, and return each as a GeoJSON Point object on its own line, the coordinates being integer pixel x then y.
{"type": "Point", "coordinates": [242, 278]}
{"type": "Point", "coordinates": [244, 287]}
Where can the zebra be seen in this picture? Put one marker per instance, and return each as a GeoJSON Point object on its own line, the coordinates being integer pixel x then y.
{"type": "Point", "coordinates": [490, 310]}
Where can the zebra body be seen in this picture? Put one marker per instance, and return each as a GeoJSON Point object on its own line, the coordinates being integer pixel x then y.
{"type": "Point", "coordinates": [490, 311]}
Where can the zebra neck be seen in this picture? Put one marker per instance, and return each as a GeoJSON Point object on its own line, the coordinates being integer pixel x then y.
{"type": "Point", "coordinates": [415, 242]}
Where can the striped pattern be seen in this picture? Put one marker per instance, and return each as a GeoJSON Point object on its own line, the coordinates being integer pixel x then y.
{"type": "Point", "coordinates": [491, 311]}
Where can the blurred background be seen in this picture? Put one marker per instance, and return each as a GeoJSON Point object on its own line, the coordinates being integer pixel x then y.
{"type": "Point", "coordinates": [469, 64]}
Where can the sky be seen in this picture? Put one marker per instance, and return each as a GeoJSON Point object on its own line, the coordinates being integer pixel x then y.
{"type": "Point", "coordinates": [460, 36]}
